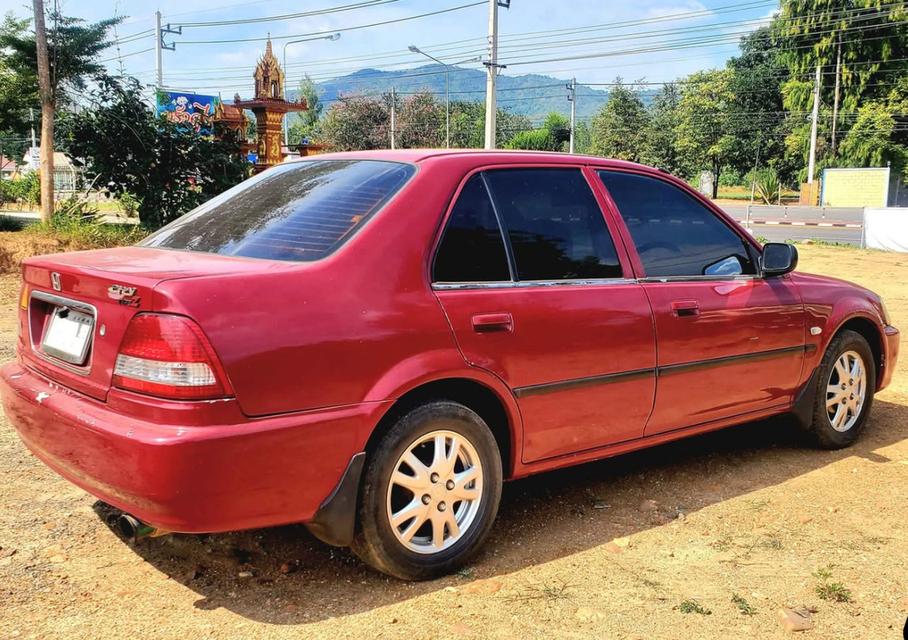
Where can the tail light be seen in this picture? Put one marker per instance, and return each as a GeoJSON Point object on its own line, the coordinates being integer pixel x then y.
{"type": "Point", "coordinates": [169, 356]}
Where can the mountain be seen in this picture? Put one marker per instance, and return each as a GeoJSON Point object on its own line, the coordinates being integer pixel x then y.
{"type": "Point", "coordinates": [532, 95]}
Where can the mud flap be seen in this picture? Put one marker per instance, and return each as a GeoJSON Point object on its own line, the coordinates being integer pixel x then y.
{"type": "Point", "coordinates": [335, 519]}
{"type": "Point", "coordinates": [803, 406]}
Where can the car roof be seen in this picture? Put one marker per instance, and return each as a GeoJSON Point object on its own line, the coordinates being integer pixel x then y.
{"type": "Point", "coordinates": [497, 156]}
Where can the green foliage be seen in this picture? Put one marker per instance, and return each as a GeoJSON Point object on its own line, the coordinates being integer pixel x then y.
{"type": "Point", "coordinates": [704, 122]}
{"type": "Point", "coordinates": [744, 607]}
{"type": "Point", "coordinates": [553, 136]}
{"type": "Point", "coordinates": [692, 606]}
{"type": "Point", "coordinates": [73, 49]}
{"type": "Point", "coordinates": [129, 203]}
{"type": "Point", "coordinates": [361, 122]}
{"type": "Point", "coordinates": [126, 148]}
{"type": "Point", "coordinates": [25, 189]}
{"type": "Point", "coordinates": [305, 124]}
{"type": "Point", "coordinates": [619, 128]}
{"type": "Point", "coordinates": [828, 590]}
{"type": "Point", "coordinates": [661, 134]}
{"type": "Point", "coordinates": [766, 186]}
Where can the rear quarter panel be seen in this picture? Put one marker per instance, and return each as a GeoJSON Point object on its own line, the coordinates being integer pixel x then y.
{"type": "Point", "coordinates": [353, 327]}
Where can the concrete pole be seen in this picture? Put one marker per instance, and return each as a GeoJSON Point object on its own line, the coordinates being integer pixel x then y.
{"type": "Point", "coordinates": [812, 161]}
{"type": "Point", "coordinates": [159, 57]}
{"type": "Point", "coordinates": [573, 99]}
{"type": "Point", "coordinates": [492, 68]}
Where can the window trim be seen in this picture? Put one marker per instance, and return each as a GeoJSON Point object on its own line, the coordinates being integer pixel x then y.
{"type": "Point", "coordinates": [619, 243]}
{"type": "Point", "coordinates": [750, 243]}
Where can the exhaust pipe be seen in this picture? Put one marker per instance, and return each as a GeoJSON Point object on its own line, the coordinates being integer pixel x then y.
{"type": "Point", "coordinates": [133, 528]}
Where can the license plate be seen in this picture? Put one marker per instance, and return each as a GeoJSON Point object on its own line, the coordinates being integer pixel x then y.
{"type": "Point", "coordinates": [68, 335]}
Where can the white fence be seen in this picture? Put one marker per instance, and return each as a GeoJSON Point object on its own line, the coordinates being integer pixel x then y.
{"type": "Point", "coordinates": [886, 228]}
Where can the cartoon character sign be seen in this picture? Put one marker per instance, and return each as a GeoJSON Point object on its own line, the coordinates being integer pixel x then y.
{"type": "Point", "coordinates": [190, 109]}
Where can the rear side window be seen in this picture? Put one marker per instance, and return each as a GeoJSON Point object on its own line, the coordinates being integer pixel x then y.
{"type": "Point", "coordinates": [554, 224]}
{"type": "Point", "coordinates": [472, 248]}
{"type": "Point", "coordinates": [300, 211]}
{"type": "Point", "coordinates": [673, 233]}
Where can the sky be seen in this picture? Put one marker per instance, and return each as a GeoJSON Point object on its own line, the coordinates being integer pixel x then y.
{"type": "Point", "coordinates": [592, 40]}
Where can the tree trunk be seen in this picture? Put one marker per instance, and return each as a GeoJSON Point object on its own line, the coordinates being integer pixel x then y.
{"type": "Point", "coordinates": [47, 161]}
{"type": "Point", "coordinates": [716, 169]}
{"type": "Point", "coordinates": [46, 92]}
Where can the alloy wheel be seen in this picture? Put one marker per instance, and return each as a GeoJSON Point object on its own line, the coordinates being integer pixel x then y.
{"type": "Point", "coordinates": [435, 492]}
{"type": "Point", "coordinates": [846, 391]}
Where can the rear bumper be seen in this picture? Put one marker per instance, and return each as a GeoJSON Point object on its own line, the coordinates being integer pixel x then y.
{"type": "Point", "coordinates": [891, 346]}
{"type": "Point", "coordinates": [191, 479]}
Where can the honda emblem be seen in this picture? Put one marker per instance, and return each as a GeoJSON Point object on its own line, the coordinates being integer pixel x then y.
{"type": "Point", "coordinates": [55, 280]}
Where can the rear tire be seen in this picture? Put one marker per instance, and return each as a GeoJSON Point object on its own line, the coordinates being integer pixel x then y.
{"type": "Point", "coordinates": [430, 492]}
{"type": "Point", "coordinates": [844, 392]}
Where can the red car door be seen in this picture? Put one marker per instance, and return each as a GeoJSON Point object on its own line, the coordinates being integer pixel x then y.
{"type": "Point", "coordinates": [536, 292]}
{"type": "Point", "coordinates": [730, 342]}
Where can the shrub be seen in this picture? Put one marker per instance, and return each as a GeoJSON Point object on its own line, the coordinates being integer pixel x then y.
{"type": "Point", "coordinates": [767, 185]}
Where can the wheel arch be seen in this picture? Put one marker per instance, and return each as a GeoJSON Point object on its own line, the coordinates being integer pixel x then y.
{"type": "Point", "coordinates": [499, 412]}
{"type": "Point", "coordinates": [871, 332]}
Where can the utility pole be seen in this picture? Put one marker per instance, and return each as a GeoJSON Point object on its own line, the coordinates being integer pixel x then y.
{"type": "Point", "coordinates": [492, 69]}
{"type": "Point", "coordinates": [158, 51]}
{"type": "Point", "coordinates": [160, 45]}
{"type": "Point", "coordinates": [835, 104]}
{"type": "Point", "coordinates": [572, 98]}
{"type": "Point", "coordinates": [46, 94]}
{"type": "Point", "coordinates": [812, 161]}
{"type": "Point", "coordinates": [393, 115]}
{"type": "Point", "coordinates": [31, 113]}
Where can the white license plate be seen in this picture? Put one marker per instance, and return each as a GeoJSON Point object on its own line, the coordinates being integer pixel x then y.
{"type": "Point", "coordinates": [68, 335]}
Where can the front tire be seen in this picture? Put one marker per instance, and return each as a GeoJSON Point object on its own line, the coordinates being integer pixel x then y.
{"type": "Point", "coordinates": [844, 393]}
{"type": "Point", "coordinates": [430, 492]}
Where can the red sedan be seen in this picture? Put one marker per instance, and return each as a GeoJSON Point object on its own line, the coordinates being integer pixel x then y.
{"type": "Point", "coordinates": [370, 343]}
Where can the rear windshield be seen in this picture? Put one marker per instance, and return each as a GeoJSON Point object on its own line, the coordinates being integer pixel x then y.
{"type": "Point", "coordinates": [299, 211]}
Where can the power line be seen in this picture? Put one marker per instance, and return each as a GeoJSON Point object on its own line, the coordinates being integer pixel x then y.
{"type": "Point", "coordinates": [342, 29]}
{"type": "Point", "coordinates": [287, 16]}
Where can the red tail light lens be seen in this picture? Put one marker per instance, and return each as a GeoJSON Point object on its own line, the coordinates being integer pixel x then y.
{"type": "Point", "coordinates": [169, 356]}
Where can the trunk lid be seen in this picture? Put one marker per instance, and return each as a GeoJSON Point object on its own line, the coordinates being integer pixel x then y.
{"type": "Point", "coordinates": [86, 299]}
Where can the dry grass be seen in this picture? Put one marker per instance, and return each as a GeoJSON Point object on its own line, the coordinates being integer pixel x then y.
{"type": "Point", "coordinates": [761, 513]}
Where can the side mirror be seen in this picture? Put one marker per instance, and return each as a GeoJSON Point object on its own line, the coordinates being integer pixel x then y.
{"type": "Point", "coordinates": [779, 258]}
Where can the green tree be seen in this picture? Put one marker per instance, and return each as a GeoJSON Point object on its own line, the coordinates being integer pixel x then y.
{"type": "Point", "coordinates": [305, 124]}
{"type": "Point", "coordinates": [72, 52]}
{"type": "Point", "coordinates": [619, 129]}
{"type": "Point", "coordinates": [357, 122]}
{"type": "Point", "coordinates": [125, 147]}
{"type": "Point", "coordinates": [704, 123]}
{"type": "Point", "coordinates": [661, 135]}
{"type": "Point", "coordinates": [876, 139]}
{"type": "Point", "coordinates": [552, 136]}
{"type": "Point", "coordinates": [421, 122]}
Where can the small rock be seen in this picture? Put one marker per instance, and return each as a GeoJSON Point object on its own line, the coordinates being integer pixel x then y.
{"type": "Point", "coordinates": [601, 505]}
{"type": "Point", "coordinates": [649, 505]}
{"type": "Point", "coordinates": [286, 568]}
{"type": "Point", "coordinates": [451, 589]}
{"type": "Point", "coordinates": [795, 619]}
{"type": "Point", "coordinates": [805, 519]}
{"type": "Point", "coordinates": [832, 509]}
{"type": "Point", "coordinates": [245, 574]}
{"type": "Point", "coordinates": [57, 559]}
{"type": "Point", "coordinates": [624, 542]}
{"type": "Point", "coordinates": [483, 587]}
{"type": "Point", "coordinates": [585, 614]}
{"type": "Point", "coordinates": [392, 621]}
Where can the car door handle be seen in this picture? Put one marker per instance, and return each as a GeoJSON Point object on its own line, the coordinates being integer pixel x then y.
{"type": "Point", "coordinates": [487, 322]}
{"type": "Point", "coordinates": [686, 308]}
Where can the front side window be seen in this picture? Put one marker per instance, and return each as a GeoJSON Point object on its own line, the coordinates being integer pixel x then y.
{"type": "Point", "coordinates": [472, 247]}
{"type": "Point", "coordinates": [300, 211]}
{"type": "Point", "coordinates": [674, 234]}
{"type": "Point", "coordinates": [554, 224]}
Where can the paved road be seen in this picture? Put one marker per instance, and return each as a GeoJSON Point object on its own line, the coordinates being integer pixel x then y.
{"type": "Point", "coordinates": [781, 232]}
{"type": "Point", "coordinates": [778, 233]}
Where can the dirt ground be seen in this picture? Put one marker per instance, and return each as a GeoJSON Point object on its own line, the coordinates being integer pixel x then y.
{"type": "Point", "coordinates": [705, 538]}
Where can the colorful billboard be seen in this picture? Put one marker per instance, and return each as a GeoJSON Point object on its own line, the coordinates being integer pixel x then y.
{"type": "Point", "coordinates": [190, 109]}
